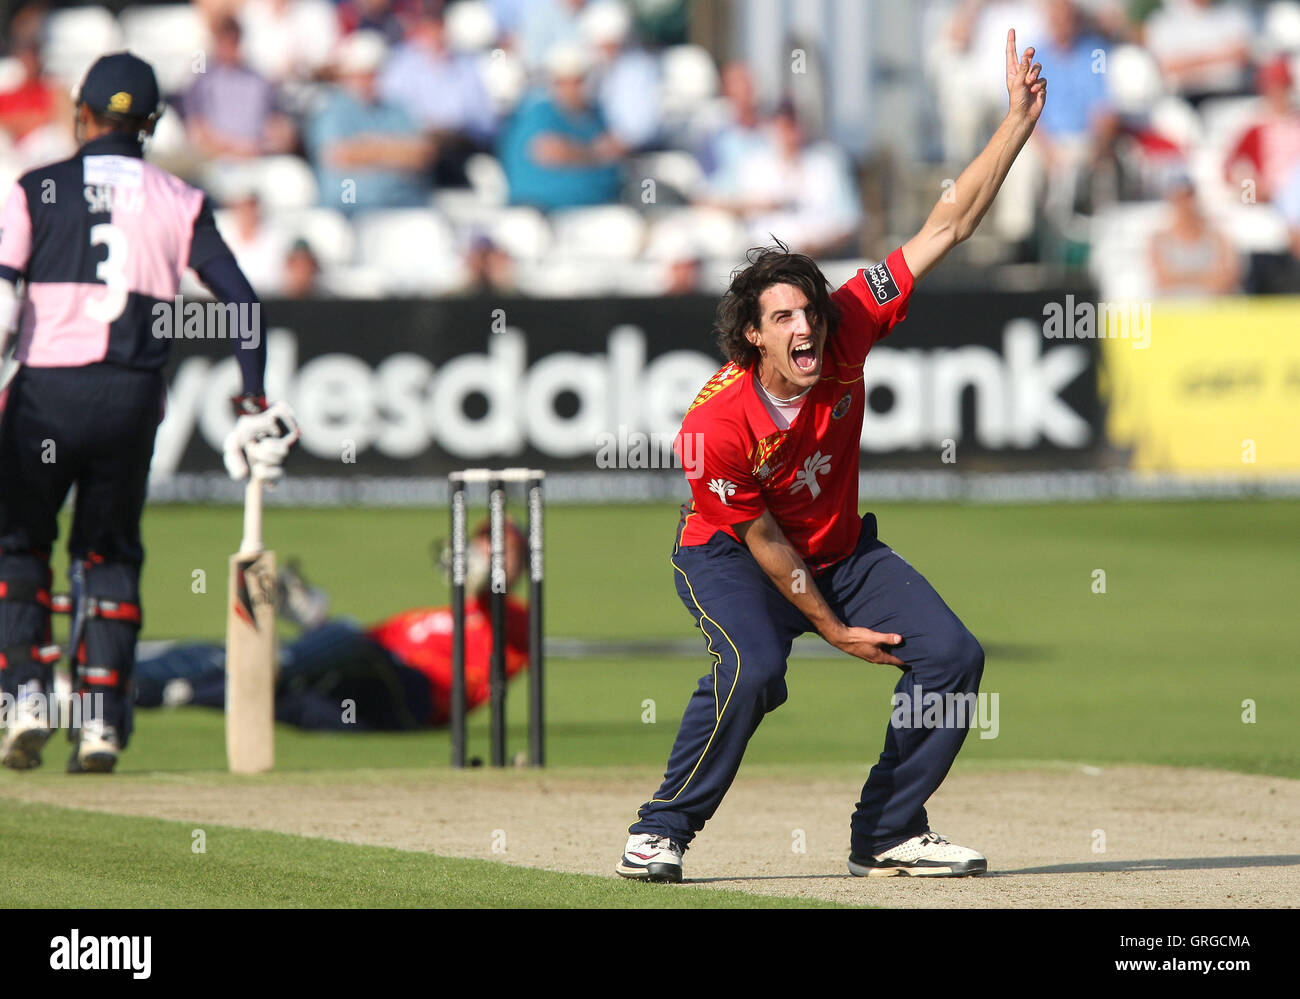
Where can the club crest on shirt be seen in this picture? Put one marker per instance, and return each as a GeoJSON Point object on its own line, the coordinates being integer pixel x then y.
{"type": "Point", "coordinates": [881, 282]}
{"type": "Point", "coordinates": [842, 406]}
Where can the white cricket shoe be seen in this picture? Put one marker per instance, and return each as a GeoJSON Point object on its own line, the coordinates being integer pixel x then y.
{"type": "Point", "coordinates": [27, 732]}
{"type": "Point", "coordinates": [651, 858]}
{"type": "Point", "coordinates": [926, 856]}
{"type": "Point", "coordinates": [98, 747]}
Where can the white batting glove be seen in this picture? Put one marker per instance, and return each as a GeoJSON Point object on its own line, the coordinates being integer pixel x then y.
{"type": "Point", "coordinates": [260, 442]}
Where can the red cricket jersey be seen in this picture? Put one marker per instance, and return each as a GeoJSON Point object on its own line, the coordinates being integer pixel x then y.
{"type": "Point", "coordinates": [739, 464]}
{"type": "Point", "coordinates": [421, 638]}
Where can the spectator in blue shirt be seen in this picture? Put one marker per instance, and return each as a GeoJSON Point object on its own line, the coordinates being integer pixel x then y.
{"type": "Point", "coordinates": [445, 94]}
{"type": "Point", "coordinates": [230, 111]}
{"type": "Point", "coordinates": [1077, 133]}
{"type": "Point", "coordinates": [556, 151]}
{"type": "Point", "coordinates": [368, 154]}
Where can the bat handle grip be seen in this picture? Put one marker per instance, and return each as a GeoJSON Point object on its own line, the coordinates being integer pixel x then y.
{"type": "Point", "coordinates": [252, 543]}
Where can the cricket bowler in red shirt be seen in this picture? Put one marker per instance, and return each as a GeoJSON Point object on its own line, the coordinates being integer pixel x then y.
{"type": "Point", "coordinates": [771, 545]}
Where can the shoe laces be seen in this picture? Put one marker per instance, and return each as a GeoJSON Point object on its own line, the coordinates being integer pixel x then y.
{"type": "Point", "coordinates": [663, 843]}
{"type": "Point", "coordinates": [934, 837]}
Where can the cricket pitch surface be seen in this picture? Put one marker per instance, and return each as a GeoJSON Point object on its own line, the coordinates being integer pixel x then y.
{"type": "Point", "coordinates": [1056, 836]}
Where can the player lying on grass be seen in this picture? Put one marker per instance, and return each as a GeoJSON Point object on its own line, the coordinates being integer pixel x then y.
{"type": "Point", "coordinates": [340, 676]}
{"type": "Point", "coordinates": [771, 544]}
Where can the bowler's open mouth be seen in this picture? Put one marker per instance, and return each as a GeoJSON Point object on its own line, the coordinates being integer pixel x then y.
{"type": "Point", "coordinates": [805, 357]}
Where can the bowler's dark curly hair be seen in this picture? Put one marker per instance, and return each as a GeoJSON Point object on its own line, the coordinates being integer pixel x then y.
{"type": "Point", "coordinates": [768, 265]}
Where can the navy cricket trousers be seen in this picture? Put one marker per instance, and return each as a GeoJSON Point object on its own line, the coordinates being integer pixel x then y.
{"type": "Point", "coordinates": [750, 627]}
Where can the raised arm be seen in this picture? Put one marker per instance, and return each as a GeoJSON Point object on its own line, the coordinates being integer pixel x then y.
{"type": "Point", "coordinates": [959, 210]}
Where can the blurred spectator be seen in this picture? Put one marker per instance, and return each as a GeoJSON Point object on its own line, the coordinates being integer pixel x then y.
{"type": "Point", "coordinates": [385, 17]}
{"type": "Point", "coordinates": [443, 92]}
{"type": "Point", "coordinates": [257, 246]}
{"type": "Point", "coordinates": [736, 128]}
{"type": "Point", "coordinates": [966, 64]}
{"type": "Point", "coordinates": [1076, 134]}
{"type": "Point", "coordinates": [33, 109]}
{"type": "Point", "coordinates": [230, 111]}
{"type": "Point", "coordinates": [544, 25]}
{"type": "Point", "coordinates": [27, 99]}
{"type": "Point", "coordinates": [1190, 257]}
{"type": "Point", "coordinates": [302, 272]}
{"type": "Point", "coordinates": [805, 195]}
{"type": "Point", "coordinates": [683, 276]}
{"type": "Point", "coordinates": [489, 269]}
{"type": "Point", "coordinates": [1269, 151]}
{"type": "Point", "coordinates": [1202, 46]}
{"type": "Point", "coordinates": [556, 151]}
{"type": "Point", "coordinates": [289, 40]}
{"type": "Point", "coordinates": [368, 154]}
{"type": "Point", "coordinates": [627, 77]}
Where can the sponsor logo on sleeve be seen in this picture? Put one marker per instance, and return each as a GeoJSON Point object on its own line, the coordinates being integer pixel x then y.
{"type": "Point", "coordinates": [881, 282]}
{"type": "Point", "coordinates": [723, 488]}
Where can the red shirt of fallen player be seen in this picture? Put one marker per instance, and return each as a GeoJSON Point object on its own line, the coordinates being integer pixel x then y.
{"type": "Point", "coordinates": [742, 458]}
{"type": "Point", "coordinates": [421, 637]}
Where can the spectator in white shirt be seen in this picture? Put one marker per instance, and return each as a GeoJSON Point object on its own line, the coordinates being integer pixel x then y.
{"type": "Point", "coordinates": [1202, 46]}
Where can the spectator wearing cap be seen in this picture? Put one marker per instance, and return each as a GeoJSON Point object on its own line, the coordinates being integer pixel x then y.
{"type": "Point", "coordinates": [231, 112]}
{"type": "Point", "coordinates": [368, 153]}
{"type": "Point", "coordinates": [1190, 257]}
{"type": "Point", "coordinates": [1269, 150]}
{"type": "Point", "coordinates": [802, 193]}
{"type": "Point", "coordinates": [302, 272]}
{"type": "Point", "coordinates": [1202, 47]}
{"type": "Point", "coordinates": [556, 151]}
{"type": "Point", "coordinates": [626, 76]}
{"type": "Point", "coordinates": [443, 92]}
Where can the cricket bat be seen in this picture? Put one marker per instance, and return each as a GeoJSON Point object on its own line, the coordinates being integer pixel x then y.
{"type": "Point", "coordinates": [250, 646]}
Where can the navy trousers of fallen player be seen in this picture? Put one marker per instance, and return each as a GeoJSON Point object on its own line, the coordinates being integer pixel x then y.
{"type": "Point", "coordinates": [750, 627]}
{"type": "Point", "coordinates": [92, 427]}
{"type": "Point", "coordinates": [318, 674]}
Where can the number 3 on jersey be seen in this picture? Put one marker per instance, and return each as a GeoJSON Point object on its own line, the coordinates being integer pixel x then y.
{"type": "Point", "coordinates": [112, 271]}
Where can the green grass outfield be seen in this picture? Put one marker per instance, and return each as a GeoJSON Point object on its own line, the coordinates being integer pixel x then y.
{"type": "Point", "coordinates": [1198, 615]}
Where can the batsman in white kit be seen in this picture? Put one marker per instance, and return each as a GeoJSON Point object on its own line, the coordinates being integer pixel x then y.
{"type": "Point", "coordinates": [91, 248]}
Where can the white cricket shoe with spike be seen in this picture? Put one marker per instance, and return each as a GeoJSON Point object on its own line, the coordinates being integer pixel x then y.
{"type": "Point", "coordinates": [651, 858]}
{"type": "Point", "coordinates": [928, 855]}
